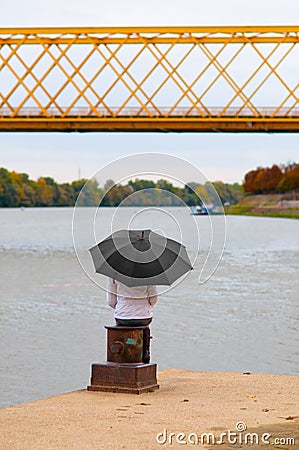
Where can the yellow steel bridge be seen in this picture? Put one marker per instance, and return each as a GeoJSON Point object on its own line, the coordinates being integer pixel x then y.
{"type": "Point", "coordinates": [182, 79]}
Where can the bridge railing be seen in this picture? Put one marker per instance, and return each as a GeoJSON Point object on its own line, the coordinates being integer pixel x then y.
{"type": "Point", "coordinates": [164, 112]}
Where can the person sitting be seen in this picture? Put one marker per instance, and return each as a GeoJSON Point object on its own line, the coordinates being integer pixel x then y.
{"type": "Point", "coordinates": [133, 307]}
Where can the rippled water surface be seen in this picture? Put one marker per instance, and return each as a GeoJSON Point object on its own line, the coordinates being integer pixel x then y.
{"type": "Point", "coordinates": [245, 318]}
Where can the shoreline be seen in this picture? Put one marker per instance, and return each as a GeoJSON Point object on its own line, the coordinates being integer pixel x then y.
{"type": "Point", "coordinates": [266, 205]}
{"type": "Point", "coordinates": [282, 213]}
{"type": "Point", "coordinates": [192, 403]}
{"type": "Point", "coordinates": [233, 210]}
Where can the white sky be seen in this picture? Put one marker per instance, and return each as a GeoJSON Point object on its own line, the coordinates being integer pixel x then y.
{"type": "Point", "coordinates": [221, 156]}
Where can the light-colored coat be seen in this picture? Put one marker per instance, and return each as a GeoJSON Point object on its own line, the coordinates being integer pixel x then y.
{"type": "Point", "coordinates": [131, 302]}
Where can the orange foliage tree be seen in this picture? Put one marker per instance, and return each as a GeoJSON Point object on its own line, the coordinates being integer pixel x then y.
{"type": "Point", "coordinates": [265, 180]}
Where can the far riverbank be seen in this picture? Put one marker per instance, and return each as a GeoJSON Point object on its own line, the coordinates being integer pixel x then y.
{"type": "Point", "coordinates": [275, 205]}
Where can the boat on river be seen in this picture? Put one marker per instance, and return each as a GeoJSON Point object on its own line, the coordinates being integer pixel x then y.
{"type": "Point", "coordinates": [204, 210]}
{"type": "Point", "coordinates": [199, 211]}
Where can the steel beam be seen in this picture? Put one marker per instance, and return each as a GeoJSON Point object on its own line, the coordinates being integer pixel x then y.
{"type": "Point", "coordinates": [178, 125]}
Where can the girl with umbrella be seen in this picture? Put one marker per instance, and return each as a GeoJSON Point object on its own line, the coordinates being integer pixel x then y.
{"type": "Point", "coordinates": [135, 262]}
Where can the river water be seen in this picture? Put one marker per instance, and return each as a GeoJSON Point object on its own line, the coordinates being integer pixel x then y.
{"type": "Point", "coordinates": [245, 318]}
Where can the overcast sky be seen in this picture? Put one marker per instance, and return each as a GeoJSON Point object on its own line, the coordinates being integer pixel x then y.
{"type": "Point", "coordinates": [220, 156]}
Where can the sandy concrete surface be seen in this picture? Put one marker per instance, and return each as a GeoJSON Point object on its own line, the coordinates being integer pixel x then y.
{"type": "Point", "coordinates": [187, 402]}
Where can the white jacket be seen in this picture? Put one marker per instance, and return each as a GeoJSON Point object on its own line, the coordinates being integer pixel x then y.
{"type": "Point", "coordinates": [131, 302]}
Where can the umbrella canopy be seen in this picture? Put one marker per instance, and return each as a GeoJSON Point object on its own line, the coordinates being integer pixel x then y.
{"type": "Point", "coordinates": [140, 258]}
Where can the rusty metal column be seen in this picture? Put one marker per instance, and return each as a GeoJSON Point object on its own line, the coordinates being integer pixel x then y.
{"type": "Point", "coordinates": [124, 370]}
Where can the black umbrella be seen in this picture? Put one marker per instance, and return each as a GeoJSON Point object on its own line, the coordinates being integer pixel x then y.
{"type": "Point", "coordinates": [140, 258]}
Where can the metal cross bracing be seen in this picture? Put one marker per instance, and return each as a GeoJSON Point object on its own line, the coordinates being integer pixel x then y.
{"type": "Point", "coordinates": [182, 79]}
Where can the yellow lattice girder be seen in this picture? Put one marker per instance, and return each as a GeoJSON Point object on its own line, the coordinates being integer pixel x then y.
{"type": "Point", "coordinates": [29, 99]}
{"type": "Point", "coordinates": [108, 35]}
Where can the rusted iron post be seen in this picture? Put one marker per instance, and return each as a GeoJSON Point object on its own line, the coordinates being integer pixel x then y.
{"type": "Point", "coordinates": [124, 345]}
{"type": "Point", "coordinates": [124, 370]}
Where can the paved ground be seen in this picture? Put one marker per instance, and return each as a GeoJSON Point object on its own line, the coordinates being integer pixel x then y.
{"type": "Point", "coordinates": [192, 403]}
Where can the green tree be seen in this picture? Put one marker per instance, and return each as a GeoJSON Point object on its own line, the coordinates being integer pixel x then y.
{"type": "Point", "coordinates": [9, 190]}
{"type": "Point", "coordinates": [229, 193]}
{"type": "Point", "coordinates": [138, 185]}
{"type": "Point", "coordinates": [108, 185]}
{"type": "Point", "coordinates": [90, 195]}
{"type": "Point", "coordinates": [164, 184]}
{"type": "Point", "coordinates": [116, 195]}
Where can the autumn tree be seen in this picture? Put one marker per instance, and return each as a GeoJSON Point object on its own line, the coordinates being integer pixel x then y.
{"type": "Point", "coordinates": [44, 193]}
{"type": "Point", "coordinates": [270, 180]}
{"type": "Point", "coordinates": [290, 179]}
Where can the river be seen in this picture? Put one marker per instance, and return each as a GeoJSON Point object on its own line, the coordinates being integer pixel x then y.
{"type": "Point", "coordinates": [245, 318]}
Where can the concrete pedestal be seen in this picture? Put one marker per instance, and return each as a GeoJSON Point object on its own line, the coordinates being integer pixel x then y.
{"type": "Point", "coordinates": [131, 378]}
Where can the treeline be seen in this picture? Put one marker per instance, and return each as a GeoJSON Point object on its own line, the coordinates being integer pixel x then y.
{"type": "Point", "coordinates": [147, 193]}
{"type": "Point", "coordinates": [271, 180]}
{"type": "Point", "coordinates": [17, 190]}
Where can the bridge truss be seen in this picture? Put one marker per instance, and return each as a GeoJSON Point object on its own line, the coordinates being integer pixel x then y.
{"type": "Point", "coordinates": [182, 79]}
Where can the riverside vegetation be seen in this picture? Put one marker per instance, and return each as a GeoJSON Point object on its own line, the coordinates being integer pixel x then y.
{"type": "Point", "coordinates": [280, 183]}
{"type": "Point", "coordinates": [272, 192]}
